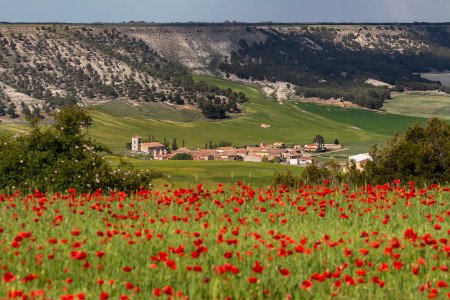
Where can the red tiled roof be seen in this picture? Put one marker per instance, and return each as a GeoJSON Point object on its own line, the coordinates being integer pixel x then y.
{"type": "Point", "coordinates": [152, 145]}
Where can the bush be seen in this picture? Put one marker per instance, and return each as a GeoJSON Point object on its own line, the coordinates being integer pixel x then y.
{"type": "Point", "coordinates": [285, 178]}
{"type": "Point", "coordinates": [62, 157]}
{"type": "Point", "coordinates": [316, 174]}
{"type": "Point", "coordinates": [422, 155]}
{"type": "Point", "coordinates": [182, 156]}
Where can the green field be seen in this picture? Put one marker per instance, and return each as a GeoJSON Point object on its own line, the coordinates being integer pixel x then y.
{"type": "Point", "coordinates": [212, 172]}
{"type": "Point", "coordinates": [151, 110]}
{"type": "Point", "coordinates": [14, 128]}
{"type": "Point", "coordinates": [418, 105]}
{"type": "Point", "coordinates": [288, 124]}
{"type": "Point", "coordinates": [362, 119]}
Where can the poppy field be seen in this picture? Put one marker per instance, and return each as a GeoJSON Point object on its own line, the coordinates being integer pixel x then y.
{"type": "Point", "coordinates": [235, 242]}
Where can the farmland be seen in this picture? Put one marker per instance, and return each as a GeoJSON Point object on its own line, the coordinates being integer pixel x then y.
{"type": "Point", "coordinates": [287, 124]}
{"type": "Point", "coordinates": [237, 241]}
{"type": "Point", "coordinates": [290, 122]}
{"type": "Point", "coordinates": [419, 105]}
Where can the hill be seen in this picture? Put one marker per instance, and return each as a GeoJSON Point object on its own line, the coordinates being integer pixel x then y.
{"type": "Point", "coordinates": [43, 67]}
{"type": "Point", "coordinates": [291, 122]}
{"type": "Point", "coordinates": [46, 67]}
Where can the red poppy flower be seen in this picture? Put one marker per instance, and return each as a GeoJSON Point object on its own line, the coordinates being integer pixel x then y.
{"type": "Point", "coordinates": [306, 285]}
{"type": "Point", "coordinates": [168, 290]}
{"type": "Point", "coordinates": [285, 272]}
{"type": "Point", "coordinates": [127, 269]}
{"type": "Point", "coordinates": [129, 286]}
{"type": "Point", "coordinates": [252, 280]}
{"type": "Point", "coordinates": [78, 255]}
{"type": "Point", "coordinates": [257, 268]}
{"type": "Point", "coordinates": [9, 277]}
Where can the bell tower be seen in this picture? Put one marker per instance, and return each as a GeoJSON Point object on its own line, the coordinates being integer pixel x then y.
{"type": "Point", "coordinates": [136, 143]}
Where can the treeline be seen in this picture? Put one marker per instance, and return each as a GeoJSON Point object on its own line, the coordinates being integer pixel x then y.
{"type": "Point", "coordinates": [365, 95]}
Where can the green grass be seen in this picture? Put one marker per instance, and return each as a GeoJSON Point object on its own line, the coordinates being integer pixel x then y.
{"type": "Point", "coordinates": [152, 110]}
{"type": "Point", "coordinates": [419, 105]}
{"type": "Point", "coordinates": [376, 122]}
{"type": "Point", "coordinates": [13, 128]}
{"type": "Point", "coordinates": [212, 172]}
{"type": "Point", "coordinates": [288, 124]}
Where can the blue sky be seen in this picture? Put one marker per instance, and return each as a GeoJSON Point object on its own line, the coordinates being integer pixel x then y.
{"type": "Point", "coordinates": [222, 10]}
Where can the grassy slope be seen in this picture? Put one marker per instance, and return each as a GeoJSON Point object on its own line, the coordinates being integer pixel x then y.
{"type": "Point", "coordinates": [288, 124]}
{"type": "Point", "coordinates": [13, 128]}
{"type": "Point", "coordinates": [366, 120]}
{"type": "Point", "coordinates": [381, 123]}
{"type": "Point", "coordinates": [419, 105]}
{"type": "Point", "coordinates": [152, 110]}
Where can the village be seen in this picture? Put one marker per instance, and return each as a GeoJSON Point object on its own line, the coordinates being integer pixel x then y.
{"type": "Point", "coordinates": [276, 152]}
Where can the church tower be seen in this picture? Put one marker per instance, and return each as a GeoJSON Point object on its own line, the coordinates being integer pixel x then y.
{"type": "Point", "coordinates": [136, 143]}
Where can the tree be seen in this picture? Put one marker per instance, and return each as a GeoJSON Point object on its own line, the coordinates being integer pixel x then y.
{"type": "Point", "coordinates": [336, 142]}
{"type": "Point", "coordinates": [2, 108]}
{"type": "Point", "coordinates": [319, 140]}
{"type": "Point", "coordinates": [11, 110]}
{"type": "Point", "coordinates": [422, 154]}
{"type": "Point", "coordinates": [63, 156]}
{"type": "Point", "coordinates": [174, 144]}
{"type": "Point", "coordinates": [26, 111]}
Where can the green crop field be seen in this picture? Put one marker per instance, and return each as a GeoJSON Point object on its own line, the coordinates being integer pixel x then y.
{"type": "Point", "coordinates": [362, 119]}
{"type": "Point", "coordinates": [212, 172]}
{"type": "Point", "coordinates": [419, 105]}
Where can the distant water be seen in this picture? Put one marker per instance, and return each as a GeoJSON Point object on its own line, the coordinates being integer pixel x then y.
{"type": "Point", "coordinates": [443, 77]}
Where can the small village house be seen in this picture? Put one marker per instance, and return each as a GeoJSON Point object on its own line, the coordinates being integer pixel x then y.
{"type": "Point", "coordinates": [155, 149]}
{"type": "Point", "coordinates": [312, 147]}
{"type": "Point", "coordinates": [332, 147]}
{"type": "Point", "coordinates": [360, 160]}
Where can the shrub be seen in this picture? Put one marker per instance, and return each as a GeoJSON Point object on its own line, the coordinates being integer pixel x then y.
{"type": "Point", "coordinates": [285, 178]}
{"type": "Point", "coordinates": [61, 157]}
{"type": "Point", "coordinates": [316, 174]}
{"type": "Point", "coordinates": [182, 156]}
{"type": "Point", "coordinates": [422, 154]}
